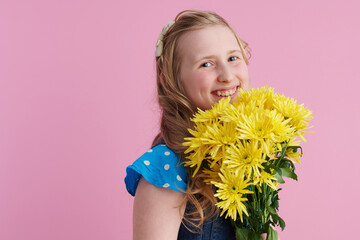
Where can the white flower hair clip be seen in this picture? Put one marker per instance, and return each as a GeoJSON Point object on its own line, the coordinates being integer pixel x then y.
{"type": "Point", "coordinates": [159, 43]}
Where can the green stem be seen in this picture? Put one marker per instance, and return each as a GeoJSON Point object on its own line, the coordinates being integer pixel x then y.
{"type": "Point", "coordinates": [279, 159]}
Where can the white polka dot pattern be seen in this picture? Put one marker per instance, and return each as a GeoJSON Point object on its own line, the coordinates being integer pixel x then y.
{"type": "Point", "coordinates": [160, 167]}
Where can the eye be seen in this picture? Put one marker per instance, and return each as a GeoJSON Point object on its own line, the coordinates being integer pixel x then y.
{"type": "Point", "coordinates": [207, 64]}
{"type": "Point", "coordinates": [233, 58]}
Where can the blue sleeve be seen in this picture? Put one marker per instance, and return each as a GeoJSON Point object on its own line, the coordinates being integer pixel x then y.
{"type": "Point", "coordinates": [161, 167]}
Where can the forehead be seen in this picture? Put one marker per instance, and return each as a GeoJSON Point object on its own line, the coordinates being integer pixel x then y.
{"type": "Point", "coordinates": [207, 41]}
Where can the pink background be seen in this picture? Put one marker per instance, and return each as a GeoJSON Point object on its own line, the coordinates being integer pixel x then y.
{"type": "Point", "coordinates": [77, 105]}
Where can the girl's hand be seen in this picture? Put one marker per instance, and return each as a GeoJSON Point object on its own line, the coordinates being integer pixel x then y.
{"type": "Point", "coordinates": [156, 212]}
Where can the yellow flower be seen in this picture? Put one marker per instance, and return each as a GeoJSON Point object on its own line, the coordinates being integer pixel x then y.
{"type": "Point", "coordinates": [197, 150]}
{"type": "Point", "coordinates": [293, 155]}
{"type": "Point", "coordinates": [219, 137]}
{"type": "Point", "coordinates": [235, 114]}
{"type": "Point", "coordinates": [230, 193]}
{"type": "Point", "coordinates": [235, 139]}
{"type": "Point", "coordinates": [245, 158]}
{"type": "Point", "coordinates": [212, 174]}
{"type": "Point", "coordinates": [260, 97]}
{"type": "Point", "coordinates": [268, 127]}
{"type": "Point", "coordinates": [195, 158]}
{"type": "Point", "coordinates": [266, 178]}
{"type": "Point", "coordinates": [209, 141]}
{"type": "Point", "coordinates": [290, 152]}
{"type": "Point", "coordinates": [257, 126]}
{"type": "Point", "coordinates": [281, 129]}
{"type": "Point", "coordinates": [298, 114]}
{"type": "Point", "coordinates": [215, 113]}
{"type": "Point", "coordinates": [211, 135]}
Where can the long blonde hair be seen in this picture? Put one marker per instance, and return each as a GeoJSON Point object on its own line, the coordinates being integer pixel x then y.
{"type": "Point", "coordinates": [177, 109]}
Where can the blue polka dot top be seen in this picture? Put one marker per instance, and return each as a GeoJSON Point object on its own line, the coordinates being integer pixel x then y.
{"type": "Point", "coordinates": [161, 167]}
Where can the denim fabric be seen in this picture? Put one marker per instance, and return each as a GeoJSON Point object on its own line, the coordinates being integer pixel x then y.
{"type": "Point", "coordinates": [216, 228]}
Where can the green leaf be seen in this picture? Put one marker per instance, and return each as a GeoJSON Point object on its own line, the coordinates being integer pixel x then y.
{"type": "Point", "coordinates": [275, 203]}
{"type": "Point", "coordinates": [286, 172]}
{"type": "Point", "coordinates": [271, 210]}
{"type": "Point", "coordinates": [287, 163]}
{"type": "Point", "coordinates": [282, 154]}
{"type": "Point", "coordinates": [254, 236]}
{"type": "Point", "coordinates": [247, 234]}
{"type": "Point", "coordinates": [277, 219]}
{"type": "Point", "coordinates": [278, 177]}
{"type": "Point", "coordinates": [291, 164]}
{"type": "Point", "coordinates": [268, 202]}
{"type": "Point", "coordinates": [241, 233]}
{"type": "Point", "coordinates": [272, 234]}
{"type": "Point", "coordinates": [268, 167]}
{"type": "Point", "coordinates": [295, 148]}
{"type": "Point", "coordinates": [282, 223]}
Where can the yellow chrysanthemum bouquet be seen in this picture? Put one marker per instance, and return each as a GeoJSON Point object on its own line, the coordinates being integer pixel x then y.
{"type": "Point", "coordinates": [245, 148]}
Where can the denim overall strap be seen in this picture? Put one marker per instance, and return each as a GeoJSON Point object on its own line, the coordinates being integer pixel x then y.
{"type": "Point", "coordinates": [216, 228]}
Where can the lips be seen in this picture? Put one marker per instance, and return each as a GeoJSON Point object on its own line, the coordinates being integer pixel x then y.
{"type": "Point", "coordinates": [225, 92]}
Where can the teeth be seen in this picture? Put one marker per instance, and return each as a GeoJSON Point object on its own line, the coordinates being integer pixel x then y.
{"type": "Point", "coordinates": [226, 93]}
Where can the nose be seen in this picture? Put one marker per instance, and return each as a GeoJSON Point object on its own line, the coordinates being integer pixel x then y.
{"type": "Point", "coordinates": [224, 73]}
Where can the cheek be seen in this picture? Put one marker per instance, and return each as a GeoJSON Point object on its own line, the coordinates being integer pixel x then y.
{"type": "Point", "coordinates": [244, 78]}
{"type": "Point", "coordinates": [202, 80]}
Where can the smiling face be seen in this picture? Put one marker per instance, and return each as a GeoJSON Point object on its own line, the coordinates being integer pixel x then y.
{"type": "Point", "coordinates": [212, 65]}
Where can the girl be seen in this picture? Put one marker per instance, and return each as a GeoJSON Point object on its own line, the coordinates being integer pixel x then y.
{"type": "Point", "coordinates": [199, 60]}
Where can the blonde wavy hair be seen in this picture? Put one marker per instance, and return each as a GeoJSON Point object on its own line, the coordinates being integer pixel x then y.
{"type": "Point", "coordinates": [177, 109]}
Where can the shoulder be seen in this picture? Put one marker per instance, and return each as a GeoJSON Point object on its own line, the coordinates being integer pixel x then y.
{"type": "Point", "coordinates": [161, 167]}
{"type": "Point", "coordinates": [156, 212]}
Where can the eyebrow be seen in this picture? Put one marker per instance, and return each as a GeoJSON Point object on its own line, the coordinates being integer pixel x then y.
{"type": "Point", "coordinates": [212, 56]}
